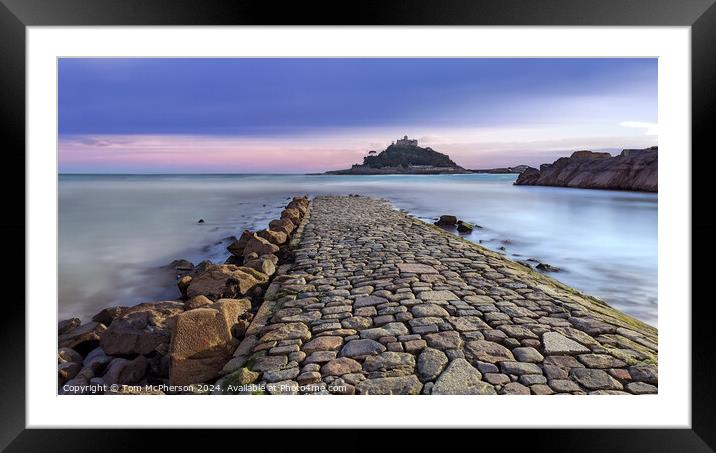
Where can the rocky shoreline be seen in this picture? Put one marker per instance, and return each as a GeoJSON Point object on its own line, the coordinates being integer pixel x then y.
{"type": "Point", "coordinates": [170, 346]}
{"type": "Point", "coordinates": [346, 295]}
{"type": "Point", "coordinates": [633, 169]}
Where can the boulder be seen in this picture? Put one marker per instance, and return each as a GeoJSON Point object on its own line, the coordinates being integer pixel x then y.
{"type": "Point", "coordinates": [225, 281]}
{"type": "Point", "coordinates": [67, 371]}
{"type": "Point", "coordinates": [203, 342]}
{"type": "Point", "coordinates": [447, 220]}
{"type": "Point", "coordinates": [78, 385]}
{"type": "Point", "coordinates": [96, 360]}
{"type": "Point", "coordinates": [465, 227]}
{"type": "Point", "coordinates": [232, 310]}
{"type": "Point", "coordinates": [283, 225]}
{"type": "Point", "coordinates": [299, 207]}
{"type": "Point", "coordinates": [274, 237]}
{"type": "Point", "coordinates": [300, 203]}
{"type": "Point", "coordinates": [66, 325]}
{"type": "Point", "coordinates": [107, 315]}
{"type": "Point", "coordinates": [183, 284]}
{"type": "Point", "coordinates": [237, 247]}
{"type": "Point", "coordinates": [83, 338]}
{"type": "Point", "coordinates": [259, 246]}
{"type": "Point", "coordinates": [544, 267]}
{"type": "Point", "coordinates": [197, 302]}
{"type": "Point", "coordinates": [65, 355]}
{"type": "Point", "coordinates": [125, 371]}
{"type": "Point", "coordinates": [292, 214]}
{"type": "Point", "coordinates": [141, 329]}
{"type": "Point", "coordinates": [181, 265]}
{"type": "Point", "coordinates": [266, 264]}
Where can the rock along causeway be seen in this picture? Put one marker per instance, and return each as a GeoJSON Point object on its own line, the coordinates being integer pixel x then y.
{"type": "Point", "coordinates": [378, 302]}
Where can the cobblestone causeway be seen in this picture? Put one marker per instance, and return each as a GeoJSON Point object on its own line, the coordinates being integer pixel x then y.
{"type": "Point", "coordinates": [378, 302]}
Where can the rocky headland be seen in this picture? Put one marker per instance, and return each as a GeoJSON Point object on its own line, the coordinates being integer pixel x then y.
{"type": "Point", "coordinates": [346, 295]}
{"type": "Point", "coordinates": [633, 169]}
{"type": "Point", "coordinates": [403, 157]}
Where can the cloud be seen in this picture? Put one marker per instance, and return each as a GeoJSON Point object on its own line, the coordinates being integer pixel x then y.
{"type": "Point", "coordinates": [650, 128]}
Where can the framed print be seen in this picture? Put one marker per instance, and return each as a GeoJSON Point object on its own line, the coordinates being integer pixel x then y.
{"type": "Point", "coordinates": [410, 217]}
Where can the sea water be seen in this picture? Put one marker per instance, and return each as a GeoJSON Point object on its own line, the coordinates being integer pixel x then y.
{"type": "Point", "coordinates": [116, 232]}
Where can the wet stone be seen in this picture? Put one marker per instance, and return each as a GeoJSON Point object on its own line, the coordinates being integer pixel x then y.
{"type": "Point", "coordinates": [467, 323]}
{"type": "Point", "coordinates": [601, 361]}
{"type": "Point", "coordinates": [563, 385]}
{"type": "Point", "coordinates": [414, 268]}
{"type": "Point", "coordinates": [368, 301]}
{"type": "Point", "coordinates": [280, 375]}
{"type": "Point", "coordinates": [520, 368]}
{"type": "Point", "coordinates": [644, 373]}
{"type": "Point", "coordinates": [365, 311]}
{"type": "Point", "coordinates": [461, 378]}
{"type": "Point", "coordinates": [594, 379]}
{"type": "Point", "coordinates": [444, 340]}
{"type": "Point", "coordinates": [527, 354]}
{"type": "Point", "coordinates": [357, 322]}
{"type": "Point", "coordinates": [496, 378]}
{"type": "Point", "coordinates": [340, 366]}
{"type": "Point", "coordinates": [517, 332]}
{"type": "Point", "coordinates": [389, 361]}
{"type": "Point", "coordinates": [532, 379]}
{"type": "Point", "coordinates": [268, 363]}
{"type": "Point", "coordinates": [556, 343]}
{"type": "Point", "coordinates": [320, 357]}
{"type": "Point", "coordinates": [324, 343]}
{"type": "Point", "coordinates": [430, 364]}
{"type": "Point", "coordinates": [361, 348]}
{"type": "Point", "coordinates": [620, 373]}
{"type": "Point", "coordinates": [487, 351]}
{"type": "Point", "coordinates": [541, 389]}
{"type": "Point", "coordinates": [514, 388]}
{"type": "Point", "coordinates": [641, 388]}
{"type": "Point", "coordinates": [402, 385]}
{"type": "Point", "coordinates": [414, 346]}
{"type": "Point", "coordinates": [438, 296]}
{"type": "Point", "coordinates": [423, 310]}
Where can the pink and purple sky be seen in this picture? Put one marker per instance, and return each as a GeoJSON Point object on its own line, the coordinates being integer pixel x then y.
{"type": "Point", "coordinates": [312, 115]}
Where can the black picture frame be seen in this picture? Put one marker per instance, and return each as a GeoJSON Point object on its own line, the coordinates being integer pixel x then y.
{"type": "Point", "coordinates": [16, 15]}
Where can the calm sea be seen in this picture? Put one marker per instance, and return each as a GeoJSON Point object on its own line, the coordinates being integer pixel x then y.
{"type": "Point", "coordinates": [117, 231]}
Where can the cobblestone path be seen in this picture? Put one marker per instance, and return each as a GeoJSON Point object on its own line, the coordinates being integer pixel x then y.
{"type": "Point", "coordinates": [378, 302]}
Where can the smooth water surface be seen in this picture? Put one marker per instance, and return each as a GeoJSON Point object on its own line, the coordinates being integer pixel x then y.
{"type": "Point", "coordinates": [116, 231]}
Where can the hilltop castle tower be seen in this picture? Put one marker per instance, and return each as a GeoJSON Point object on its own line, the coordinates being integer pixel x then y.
{"type": "Point", "coordinates": [405, 141]}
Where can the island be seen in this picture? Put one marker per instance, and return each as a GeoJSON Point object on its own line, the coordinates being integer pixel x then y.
{"type": "Point", "coordinates": [633, 169]}
{"type": "Point", "coordinates": [404, 156]}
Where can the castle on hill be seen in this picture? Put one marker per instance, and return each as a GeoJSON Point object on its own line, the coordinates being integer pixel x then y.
{"type": "Point", "coordinates": [403, 156]}
{"type": "Point", "coordinates": [405, 141]}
